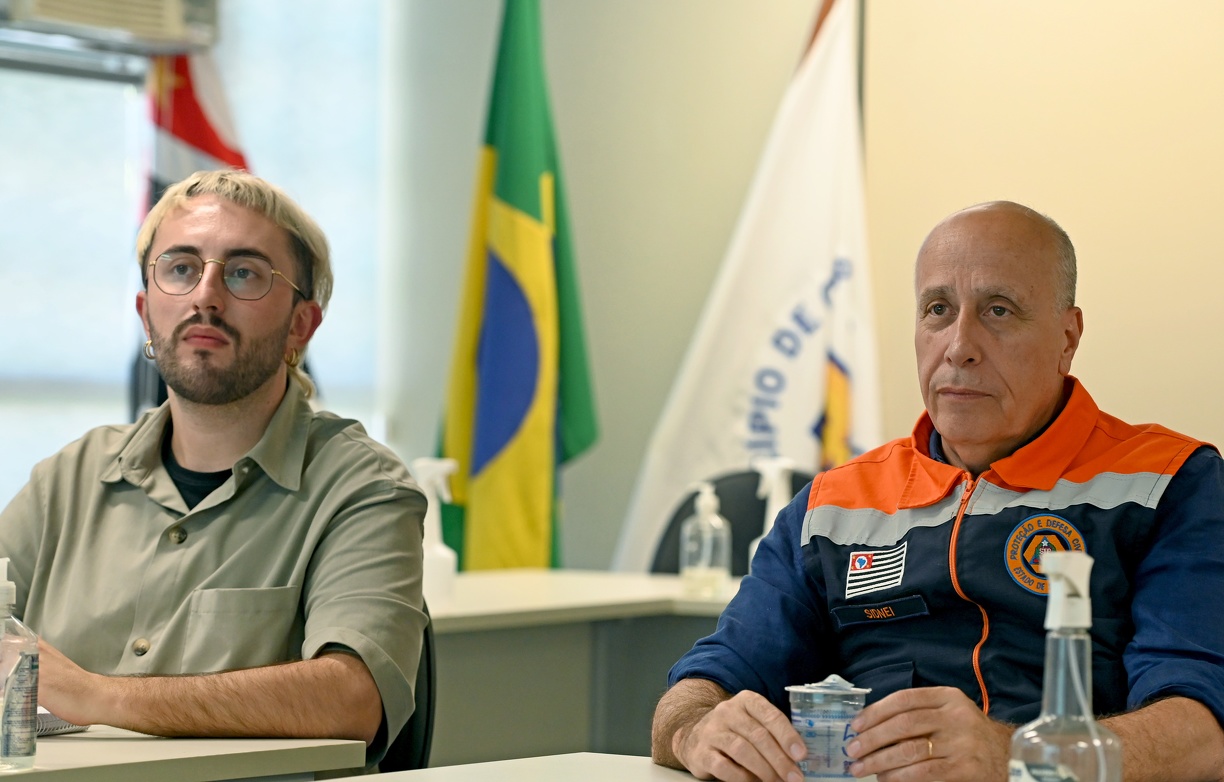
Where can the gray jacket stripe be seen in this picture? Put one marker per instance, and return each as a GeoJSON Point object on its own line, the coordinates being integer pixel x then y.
{"type": "Point", "coordinates": [871, 527]}
{"type": "Point", "coordinates": [1107, 490]}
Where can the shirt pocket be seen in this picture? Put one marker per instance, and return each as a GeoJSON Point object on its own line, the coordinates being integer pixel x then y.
{"type": "Point", "coordinates": [242, 628]}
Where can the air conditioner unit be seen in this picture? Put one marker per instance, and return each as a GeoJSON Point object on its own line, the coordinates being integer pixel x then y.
{"type": "Point", "coordinates": [108, 39]}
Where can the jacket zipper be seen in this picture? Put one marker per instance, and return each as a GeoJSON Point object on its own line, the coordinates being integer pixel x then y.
{"type": "Point", "coordinates": [977, 650]}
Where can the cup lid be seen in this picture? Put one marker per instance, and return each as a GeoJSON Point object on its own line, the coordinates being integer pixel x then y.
{"type": "Point", "coordinates": [832, 685]}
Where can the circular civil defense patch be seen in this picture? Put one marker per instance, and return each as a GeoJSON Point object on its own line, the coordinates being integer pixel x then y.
{"type": "Point", "coordinates": [1031, 540]}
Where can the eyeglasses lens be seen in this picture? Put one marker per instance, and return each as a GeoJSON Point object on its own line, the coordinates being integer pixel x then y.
{"type": "Point", "coordinates": [247, 277]}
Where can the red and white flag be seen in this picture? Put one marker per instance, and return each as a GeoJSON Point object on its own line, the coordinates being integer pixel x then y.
{"type": "Point", "coordinates": [193, 130]}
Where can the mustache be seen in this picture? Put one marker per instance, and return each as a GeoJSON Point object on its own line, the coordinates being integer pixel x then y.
{"type": "Point", "coordinates": [212, 320]}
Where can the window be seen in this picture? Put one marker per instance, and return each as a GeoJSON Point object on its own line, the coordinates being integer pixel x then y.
{"type": "Point", "coordinates": [301, 80]}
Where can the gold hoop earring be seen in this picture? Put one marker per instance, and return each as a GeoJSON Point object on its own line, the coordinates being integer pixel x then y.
{"type": "Point", "coordinates": [294, 358]}
{"type": "Point", "coordinates": [148, 351]}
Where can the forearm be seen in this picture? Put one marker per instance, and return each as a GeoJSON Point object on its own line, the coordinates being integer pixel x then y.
{"type": "Point", "coordinates": [332, 696]}
{"type": "Point", "coordinates": [1173, 739]}
{"type": "Point", "coordinates": [678, 711]}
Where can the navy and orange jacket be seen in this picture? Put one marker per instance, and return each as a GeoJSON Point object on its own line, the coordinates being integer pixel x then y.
{"type": "Point", "coordinates": [898, 570]}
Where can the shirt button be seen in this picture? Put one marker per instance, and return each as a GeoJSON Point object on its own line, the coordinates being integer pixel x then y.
{"type": "Point", "coordinates": [140, 647]}
{"type": "Point", "coordinates": [177, 535]}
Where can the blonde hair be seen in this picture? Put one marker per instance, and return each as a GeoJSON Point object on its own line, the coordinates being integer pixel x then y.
{"type": "Point", "coordinates": [311, 253]}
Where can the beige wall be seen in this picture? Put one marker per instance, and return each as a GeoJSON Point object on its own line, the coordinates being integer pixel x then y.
{"type": "Point", "coordinates": [1105, 115]}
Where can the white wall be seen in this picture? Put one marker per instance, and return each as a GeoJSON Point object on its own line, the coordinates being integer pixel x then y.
{"type": "Point", "coordinates": [660, 110]}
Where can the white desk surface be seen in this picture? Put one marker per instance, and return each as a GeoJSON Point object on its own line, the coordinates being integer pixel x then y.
{"type": "Point", "coordinates": [501, 599]}
{"type": "Point", "coordinates": [584, 766]}
{"type": "Point", "coordinates": [105, 754]}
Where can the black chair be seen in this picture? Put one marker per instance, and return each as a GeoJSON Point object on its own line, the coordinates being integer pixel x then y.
{"type": "Point", "coordinates": [410, 750]}
{"type": "Point", "coordinates": [737, 503]}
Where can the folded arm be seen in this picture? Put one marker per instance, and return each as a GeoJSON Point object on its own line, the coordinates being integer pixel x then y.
{"type": "Point", "coordinates": [330, 696]}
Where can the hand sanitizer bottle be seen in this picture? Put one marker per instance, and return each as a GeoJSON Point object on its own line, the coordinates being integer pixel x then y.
{"type": "Point", "coordinates": [1066, 743]}
{"type": "Point", "coordinates": [19, 666]}
{"type": "Point", "coordinates": [441, 563]}
{"type": "Point", "coordinates": [705, 547]}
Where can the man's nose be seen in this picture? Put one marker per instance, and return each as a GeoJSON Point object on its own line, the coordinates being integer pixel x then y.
{"type": "Point", "coordinates": [965, 347]}
{"type": "Point", "coordinates": [210, 292]}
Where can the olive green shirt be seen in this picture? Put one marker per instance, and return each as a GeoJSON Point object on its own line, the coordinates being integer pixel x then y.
{"type": "Point", "coordinates": [314, 540]}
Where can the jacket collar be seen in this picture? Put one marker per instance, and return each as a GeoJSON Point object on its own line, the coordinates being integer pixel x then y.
{"type": "Point", "coordinates": [1036, 465]}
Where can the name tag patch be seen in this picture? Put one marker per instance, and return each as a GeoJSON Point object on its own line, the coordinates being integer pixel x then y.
{"type": "Point", "coordinates": [901, 608]}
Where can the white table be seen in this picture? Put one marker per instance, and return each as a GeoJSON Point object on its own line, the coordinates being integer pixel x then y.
{"type": "Point", "coordinates": [105, 754]}
{"type": "Point", "coordinates": [575, 767]}
{"type": "Point", "coordinates": [542, 662]}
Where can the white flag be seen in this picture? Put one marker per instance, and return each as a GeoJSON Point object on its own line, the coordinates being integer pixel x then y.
{"type": "Point", "coordinates": [783, 362]}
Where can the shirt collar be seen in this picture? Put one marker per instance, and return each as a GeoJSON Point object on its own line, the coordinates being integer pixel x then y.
{"type": "Point", "coordinates": [280, 453]}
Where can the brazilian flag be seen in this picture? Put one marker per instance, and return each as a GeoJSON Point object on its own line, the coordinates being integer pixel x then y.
{"type": "Point", "coordinates": [519, 403]}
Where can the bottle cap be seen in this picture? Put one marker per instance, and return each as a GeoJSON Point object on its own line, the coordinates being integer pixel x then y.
{"type": "Point", "coordinates": [1069, 605]}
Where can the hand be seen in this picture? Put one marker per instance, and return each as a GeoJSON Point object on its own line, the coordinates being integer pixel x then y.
{"type": "Point", "coordinates": [742, 739]}
{"type": "Point", "coordinates": [926, 734]}
{"type": "Point", "coordinates": [66, 689]}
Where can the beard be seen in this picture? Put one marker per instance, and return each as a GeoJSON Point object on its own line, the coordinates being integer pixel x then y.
{"type": "Point", "coordinates": [200, 381]}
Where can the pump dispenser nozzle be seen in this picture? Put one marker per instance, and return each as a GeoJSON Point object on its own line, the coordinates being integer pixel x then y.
{"type": "Point", "coordinates": [706, 501]}
{"type": "Point", "coordinates": [1069, 604]}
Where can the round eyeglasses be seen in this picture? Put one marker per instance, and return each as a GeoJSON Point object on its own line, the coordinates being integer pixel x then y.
{"type": "Point", "coordinates": [247, 277]}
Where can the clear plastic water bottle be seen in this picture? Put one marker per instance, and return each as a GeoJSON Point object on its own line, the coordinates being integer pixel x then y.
{"type": "Point", "coordinates": [19, 667]}
{"type": "Point", "coordinates": [705, 548]}
{"type": "Point", "coordinates": [1066, 743]}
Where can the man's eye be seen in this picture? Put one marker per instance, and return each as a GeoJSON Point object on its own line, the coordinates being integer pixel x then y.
{"type": "Point", "coordinates": [938, 309]}
{"type": "Point", "coordinates": [998, 310]}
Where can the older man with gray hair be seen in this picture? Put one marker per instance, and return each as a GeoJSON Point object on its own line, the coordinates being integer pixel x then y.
{"type": "Point", "coordinates": [915, 569]}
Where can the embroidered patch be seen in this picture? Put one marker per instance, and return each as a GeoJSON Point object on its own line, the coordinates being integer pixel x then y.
{"type": "Point", "coordinates": [1030, 541]}
{"type": "Point", "coordinates": [871, 571]}
{"type": "Point", "coordinates": [903, 607]}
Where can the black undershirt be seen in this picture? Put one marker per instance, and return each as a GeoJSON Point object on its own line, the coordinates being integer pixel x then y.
{"type": "Point", "coordinates": [193, 486]}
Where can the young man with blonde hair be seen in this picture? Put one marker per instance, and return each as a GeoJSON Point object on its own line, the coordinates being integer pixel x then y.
{"type": "Point", "coordinates": [233, 563]}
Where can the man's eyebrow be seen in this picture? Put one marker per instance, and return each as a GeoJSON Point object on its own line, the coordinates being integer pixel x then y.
{"type": "Point", "coordinates": [929, 295]}
{"type": "Point", "coordinates": [234, 252]}
{"type": "Point", "coordinates": [247, 252]}
{"type": "Point", "coordinates": [180, 248]}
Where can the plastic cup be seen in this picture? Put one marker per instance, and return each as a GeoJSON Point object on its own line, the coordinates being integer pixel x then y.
{"type": "Point", "coordinates": [822, 713]}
